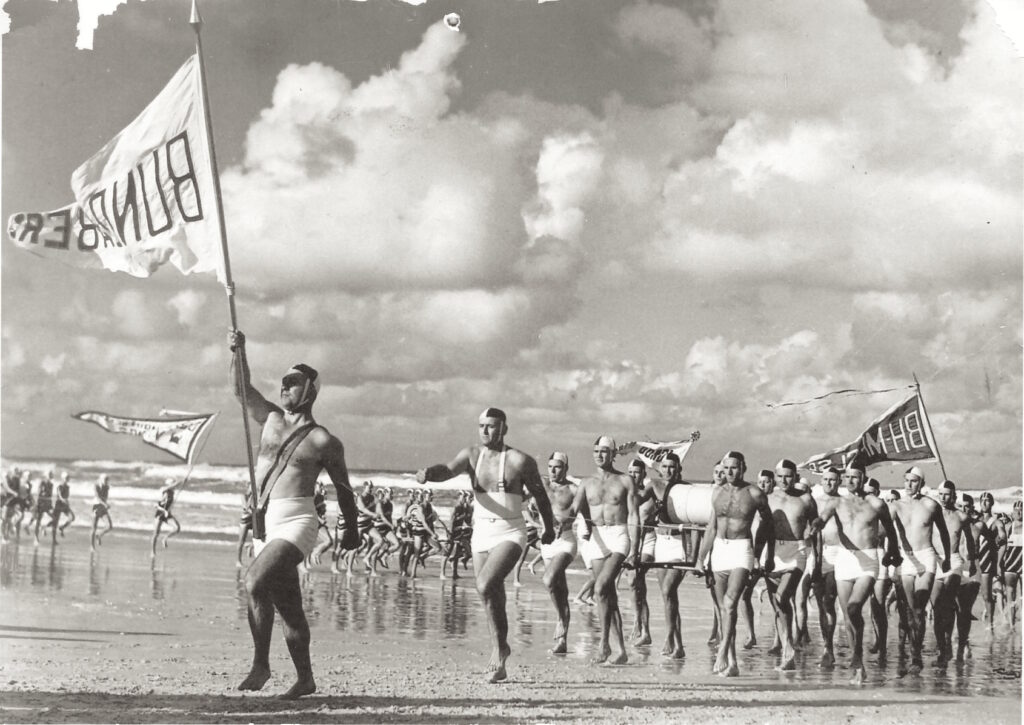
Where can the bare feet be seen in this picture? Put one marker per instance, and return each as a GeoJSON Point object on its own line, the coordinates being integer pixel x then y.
{"type": "Point", "coordinates": [788, 664]}
{"type": "Point", "coordinates": [858, 676]}
{"type": "Point", "coordinates": [619, 659]}
{"type": "Point", "coordinates": [603, 653]}
{"type": "Point", "coordinates": [730, 671]}
{"type": "Point", "coordinates": [775, 650]}
{"type": "Point", "coordinates": [677, 653]}
{"type": "Point", "coordinates": [643, 640]}
{"type": "Point", "coordinates": [721, 664]}
{"type": "Point", "coordinates": [828, 661]}
{"type": "Point", "coordinates": [256, 680]}
{"type": "Point", "coordinates": [751, 641]}
{"type": "Point", "coordinates": [561, 647]}
{"type": "Point", "coordinates": [304, 686]}
{"type": "Point", "coordinates": [496, 667]}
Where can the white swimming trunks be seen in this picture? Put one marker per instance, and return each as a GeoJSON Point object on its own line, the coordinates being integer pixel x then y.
{"type": "Point", "coordinates": [497, 516]}
{"type": "Point", "coordinates": [729, 554]}
{"type": "Point", "coordinates": [956, 566]}
{"type": "Point", "coordinates": [853, 564]}
{"type": "Point", "coordinates": [790, 556]}
{"type": "Point", "coordinates": [564, 543]}
{"type": "Point", "coordinates": [607, 539]}
{"type": "Point", "coordinates": [292, 520]}
{"type": "Point", "coordinates": [648, 542]}
{"type": "Point", "coordinates": [668, 547]}
{"type": "Point", "coordinates": [917, 563]}
{"type": "Point", "coordinates": [828, 557]}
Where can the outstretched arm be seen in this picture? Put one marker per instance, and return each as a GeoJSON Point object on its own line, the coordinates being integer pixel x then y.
{"type": "Point", "coordinates": [972, 547]}
{"type": "Point", "coordinates": [442, 472]}
{"type": "Point", "coordinates": [258, 406]}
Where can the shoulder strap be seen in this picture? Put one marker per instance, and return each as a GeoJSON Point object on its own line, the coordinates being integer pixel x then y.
{"type": "Point", "coordinates": [284, 454]}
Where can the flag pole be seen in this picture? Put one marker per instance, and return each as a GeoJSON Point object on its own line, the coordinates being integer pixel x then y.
{"type": "Point", "coordinates": [196, 21]}
{"type": "Point", "coordinates": [924, 410]}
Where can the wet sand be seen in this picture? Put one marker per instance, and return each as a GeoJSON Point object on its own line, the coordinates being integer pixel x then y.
{"type": "Point", "coordinates": [114, 639]}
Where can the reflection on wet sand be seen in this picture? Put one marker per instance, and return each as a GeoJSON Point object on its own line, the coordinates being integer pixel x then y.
{"type": "Point", "coordinates": [389, 608]}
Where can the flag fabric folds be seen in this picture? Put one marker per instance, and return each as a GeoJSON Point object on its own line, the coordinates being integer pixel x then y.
{"type": "Point", "coordinates": [179, 436]}
{"type": "Point", "coordinates": [902, 433]}
{"type": "Point", "coordinates": [144, 200]}
{"type": "Point", "coordinates": [652, 453]}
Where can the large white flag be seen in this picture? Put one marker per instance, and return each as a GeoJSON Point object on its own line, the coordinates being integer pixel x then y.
{"type": "Point", "coordinates": [145, 199]}
{"type": "Point", "coordinates": [178, 436]}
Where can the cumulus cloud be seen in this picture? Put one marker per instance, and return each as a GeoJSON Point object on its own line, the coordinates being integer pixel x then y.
{"type": "Point", "coordinates": [189, 305]}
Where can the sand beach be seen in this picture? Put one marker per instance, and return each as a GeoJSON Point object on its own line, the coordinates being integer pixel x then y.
{"type": "Point", "coordinates": [114, 638]}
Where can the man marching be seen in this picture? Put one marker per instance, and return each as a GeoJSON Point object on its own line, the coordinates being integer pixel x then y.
{"type": "Point", "coordinates": [293, 451]}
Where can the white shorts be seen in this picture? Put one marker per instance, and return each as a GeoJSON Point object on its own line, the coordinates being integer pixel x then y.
{"type": "Point", "coordinates": [956, 566]}
{"type": "Point", "coordinates": [605, 540]}
{"type": "Point", "coordinates": [729, 554]}
{"type": "Point", "coordinates": [648, 544]}
{"type": "Point", "coordinates": [292, 520]}
{"type": "Point", "coordinates": [489, 532]}
{"type": "Point", "coordinates": [564, 543]}
{"type": "Point", "coordinates": [829, 552]}
{"type": "Point", "coordinates": [853, 564]}
{"type": "Point", "coordinates": [790, 556]}
{"type": "Point", "coordinates": [917, 563]}
{"type": "Point", "coordinates": [668, 548]}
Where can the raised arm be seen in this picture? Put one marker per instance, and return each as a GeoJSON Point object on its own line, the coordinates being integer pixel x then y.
{"type": "Point", "coordinates": [333, 461]}
{"type": "Point", "coordinates": [442, 472]}
{"type": "Point", "coordinates": [259, 407]}
{"type": "Point", "coordinates": [533, 483]}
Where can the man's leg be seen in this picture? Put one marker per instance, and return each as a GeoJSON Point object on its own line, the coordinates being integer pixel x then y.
{"type": "Point", "coordinates": [943, 600]}
{"type": "Point", "coordinates": [177, 528]}
{"type": "Point", "coordinates": [156, 534]}
{"type": "Point", "coordinates": [988, 598]}
{"type": "Point", "coordinates": [852, 595]}
{"type": "Point", "coordinates": [966, 597]}
{"type": "Point", "coordinates": [71, 519]}
{"type": "Point", "coordinates": [491, 568]}
{"type": "Point", "coordinates": [825, 593]}
{"type": "Point", "coordinates": [606, 572]}
{"type": "Point", "coordinates": [729, 587]}
{"type": "Point", "coordinates": [558, 587]}
{"type": "Point", "coordinates": [273, 581]}
{"type": "Point", "coordinates": [520, 561]}
{"type": "Point", "coordinates": [641, 634]}
{"type": "Point", "coordinates": [880, 617]}
{"type": "Point", "coordinates": [669, 579]}
{"type": "Point", "coordinates": [747, 606]}
{"type": "Point", "coordinates": [782, 602]}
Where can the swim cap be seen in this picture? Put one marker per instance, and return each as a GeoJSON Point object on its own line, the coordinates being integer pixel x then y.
{"type": "Point", "coordinates": [947, 485]}
{"type": "Point", "coordinates": [606, 442]}
{"type": "Point", "coordinates": [987, 496]}
{"type": "Point", "coordinates": [873, 483]}
{"type": "Point", "coordinates": [494, 413]}
{"type": "Point", "coordinates": [967, 499]}
{"type": "Point", "coordinates": [737, 455]}
{"type": "Point", "coordinates": [831, 469]}
{"type": "Point", "coordinates": [915, 471]}
{"type": "Point", "coordinates": [785, 463]}
{"type": "Point", "coordinates": [311, 388]}
{"type": "Point", "coordinates": [169, 481]}
{"type": "Point", "coordinates": [766, 473]}
{"type": "Point", "coordinates": [855, 467]}
{"type": "Point", "coordinates": [559, 456]}
{"type": "Point", "coordinates": [671, 456]}
{"type": "Point", "coordinates": [638, 462]}
{"type": "Point", "coordinates": [894, 494]}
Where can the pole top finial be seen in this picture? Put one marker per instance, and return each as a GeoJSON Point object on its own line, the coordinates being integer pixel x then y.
{"type": "Point", "coordinates": [195, 19]}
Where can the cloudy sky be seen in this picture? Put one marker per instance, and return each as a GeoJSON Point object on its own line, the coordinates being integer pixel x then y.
{"type": "Point", "coordinates": [630, 218]}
